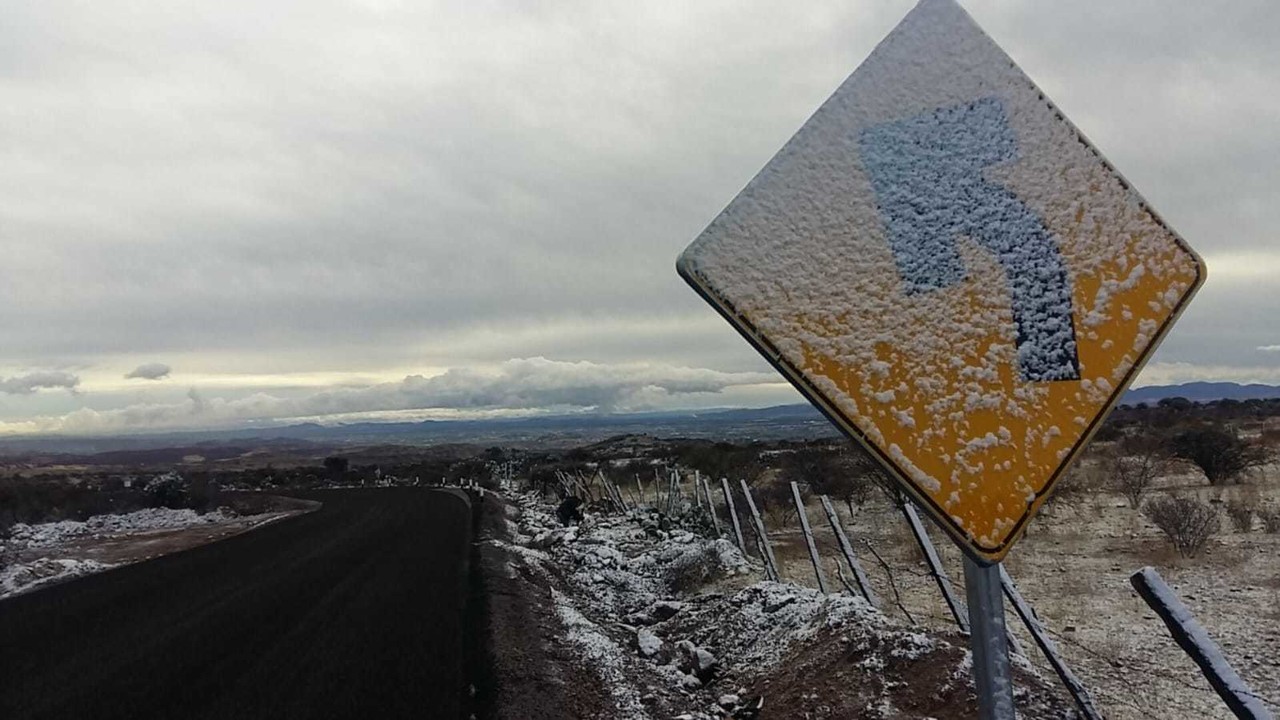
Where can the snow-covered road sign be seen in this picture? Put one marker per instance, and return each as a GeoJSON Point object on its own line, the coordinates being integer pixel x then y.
{"type": "Point", "coordinates": [944, 265]}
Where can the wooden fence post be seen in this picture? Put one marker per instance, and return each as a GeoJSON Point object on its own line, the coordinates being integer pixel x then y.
{"type": "Point", "coordinates": [711, 508]}
{"type": "Point", "coordinates": [958, 610]}
{"type": "Point", "coordinates": [808, 539]}
{"type": "Point", "coordinates": [1195, 642]}
{"type": "Point", "coordinates": [617, 493]}
{"type": "Point", "coordinates": [733, 515]}
{"type": "Point", "coordinates": [846, 549]}
{"type": "Point", "coordinates": [1075, 688]}
{"type": "Point", "coordinates": [759, 524]}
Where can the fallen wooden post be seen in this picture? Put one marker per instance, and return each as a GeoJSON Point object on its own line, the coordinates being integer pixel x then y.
{"type": "Point", "coordinates": [1075, 688]}
{"type": "Point", "coordinates": [1193, 640]}
{"type": "Point", "coordinates": [759, 524]}
{"type": "Point", "coordinates": [808, 539]}
{"type": "Point", "coordinates": [846, 549]}
{"type": "Point", "coordinates": [733, 515]}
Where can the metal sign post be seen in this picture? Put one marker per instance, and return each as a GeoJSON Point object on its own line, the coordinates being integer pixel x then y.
{"type": "Point", "coordinates": [992, 678]}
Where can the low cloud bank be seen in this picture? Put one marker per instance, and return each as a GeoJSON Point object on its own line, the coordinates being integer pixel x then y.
{"type": "Point", "coordinates": [44, 379]}
{"type": "Point", "coordinates": [149, 371]}
{"type": "Point", "coordinates": [521, 384]}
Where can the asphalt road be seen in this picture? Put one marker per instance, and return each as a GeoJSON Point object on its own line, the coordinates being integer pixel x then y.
{"type": "Point", "coordinates": [355, 610]}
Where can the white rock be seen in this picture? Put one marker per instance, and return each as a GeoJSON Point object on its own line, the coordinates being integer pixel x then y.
{"type": "Point", "coordinates": [648, 643]}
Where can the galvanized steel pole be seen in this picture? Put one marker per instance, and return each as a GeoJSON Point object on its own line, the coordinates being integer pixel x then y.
{"type": "Point", "coordinates": [992, 677]}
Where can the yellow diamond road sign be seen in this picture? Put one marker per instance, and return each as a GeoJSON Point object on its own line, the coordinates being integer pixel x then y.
{"type": "Point", "coordinates": [944, 265]}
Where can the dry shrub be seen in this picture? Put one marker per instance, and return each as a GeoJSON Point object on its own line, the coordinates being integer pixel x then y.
{"type": "Point", "coordinates": [1081, 482]}
{"type": "Point", "coordinates": [1136, 464]}
{"type": "Point", "coordinates": [1240, 512]}
{"type": "Point", "coordinates": [1270, 517]}
{"type": "Point", "coordinates": [1241, 508]}
{"type": "Point", "coordinates": [694, 569]}
{"type": "Point", "coordinates": [1187, 522]}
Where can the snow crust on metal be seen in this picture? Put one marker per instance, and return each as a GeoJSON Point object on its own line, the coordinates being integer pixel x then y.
{"type": "Point", "coordinates": [942, 263]}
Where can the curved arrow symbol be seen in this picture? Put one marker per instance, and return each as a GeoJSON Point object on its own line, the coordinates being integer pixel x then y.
{"type": "Point", "coordinates": [927, 172]}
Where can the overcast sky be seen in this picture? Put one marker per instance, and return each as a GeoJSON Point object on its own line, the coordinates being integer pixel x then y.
{"type": "Point", "coordinates": [214, 213]}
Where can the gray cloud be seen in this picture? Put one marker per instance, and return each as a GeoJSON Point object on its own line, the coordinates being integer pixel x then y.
{"type": "Point", "coordinates": [149, 371]}
{"type": "Point", "coordinates": [386, 185]}
{"type": "Point", "coordinates": [45, 379]}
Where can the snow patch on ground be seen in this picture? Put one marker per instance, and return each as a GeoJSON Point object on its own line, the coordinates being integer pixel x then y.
{"type": "Point", "coordinates": [32, 555]}
{"type": "Point", "coordinates": [23, 576]}
{"type": "Point", "coordinates": [44, 535]}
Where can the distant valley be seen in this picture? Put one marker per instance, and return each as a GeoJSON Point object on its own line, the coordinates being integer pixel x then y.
{"type": "Point", "coordinates": [798, 421]}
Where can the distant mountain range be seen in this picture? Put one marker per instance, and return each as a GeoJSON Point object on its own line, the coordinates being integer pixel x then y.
{"type": "Point", "coordinates": [771, 423]}
{"type": "Point", "coordinates": [1201, 392]}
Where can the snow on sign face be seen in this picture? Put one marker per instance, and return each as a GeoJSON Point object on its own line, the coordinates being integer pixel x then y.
{"type": "Point", "coordinates": [942, 263]}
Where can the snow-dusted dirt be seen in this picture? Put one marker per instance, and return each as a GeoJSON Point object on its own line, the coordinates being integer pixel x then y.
{"type": "Point", "coordinates": [669, 623]}
{"type": "Point", "coordinates": [1073, 566]}
{"type": "Point", "coordinates": [35, 555]}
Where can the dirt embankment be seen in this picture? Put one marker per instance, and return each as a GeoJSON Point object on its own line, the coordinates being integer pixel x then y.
{"type": "Point", "coordinates": [525, 671]}
{"type": "Point", "coordinates": [622, 617]}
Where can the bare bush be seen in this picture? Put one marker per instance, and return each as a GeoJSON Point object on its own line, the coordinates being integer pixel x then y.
{"type": "Point", "coordinates": [837, 471]}
{"type": "Point", "coordinates": [1187, 522]}
{"type": "Point", "coordinates": [773, 499]}
{"type": "Point", "coordinates": [692, 570]}
{"type": "Point", "coordinates": [1136, 464]}
{"type": "Point", "coordinates": [1270, 517]}
{"type": "Point", "coordinates": [1240, 512]}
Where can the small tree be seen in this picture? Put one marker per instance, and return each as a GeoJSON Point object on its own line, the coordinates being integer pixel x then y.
{"type": "Point", "coordinates": [1187, 522]}
{"type": "Point", "coordinates": [1221, 454]}
{"type": "Point", "coordinates": [1136, 464]}
{"type": "Point", "coordinates": [774, 500]}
